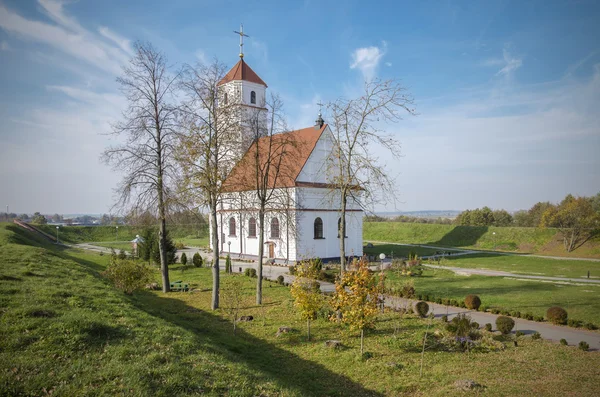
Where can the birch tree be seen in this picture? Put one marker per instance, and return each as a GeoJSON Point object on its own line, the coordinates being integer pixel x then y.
{"type": "Point", "coordinates": [354, 170]}
{"type": "Point", "coordinates": [149, 130]}
{"type": "Point", "coordinates": [265, 169]}
{"type": "Point", "coordinates": [212, 130]}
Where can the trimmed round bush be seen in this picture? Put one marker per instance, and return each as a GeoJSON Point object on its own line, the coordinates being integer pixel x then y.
{"type": "Point", "coordinates": [250, 272]}
{"type": "Point", "coordinates": [539, 319]}
{"type": "Point", "coordinates": [505, 324]}
{"type": "Point", "coordinates": [488, 327]}
{"type": "Point", "coordinates": [519, 333]}
{"type": "Point", "coordinates": [584, 346]}
{"type": "Point", "coordinates": [564, 342]}
{"type": "Point", "coordinates": [536, 336]}
{"type": "Point", "coordinates": [590, 326]}
{"type": "Point", "coordinates": [421, 308]}
{"type": "Point", "coordinates": [557, 315]}
{"type": "Point", "coordinates": [280, 279]}
{"type": "Point", "coordinates": [472, 302]}
{"type": "Point", "coordinates": [444, 318]}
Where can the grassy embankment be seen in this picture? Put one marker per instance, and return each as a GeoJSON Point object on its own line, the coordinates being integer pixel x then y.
{"type": "Point", "coordinates": [108, 236]}
{"type": "Point", "coordinates": [65, 330]}
{"type": "Point", "coordinates": [512, 239]}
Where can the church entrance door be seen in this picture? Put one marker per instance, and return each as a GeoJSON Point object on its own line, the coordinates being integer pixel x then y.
{"type": "Point", "coordinates": [271, 250]}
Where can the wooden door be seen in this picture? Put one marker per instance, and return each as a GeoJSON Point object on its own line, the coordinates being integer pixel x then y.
{"type": "Point", "coordinates": [271, 250]}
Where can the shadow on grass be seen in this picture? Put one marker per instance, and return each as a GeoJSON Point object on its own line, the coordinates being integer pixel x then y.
{"type": "Point", "coordinates": [269, 362]}
{"type": "Point", "coordinates": [461, 236]}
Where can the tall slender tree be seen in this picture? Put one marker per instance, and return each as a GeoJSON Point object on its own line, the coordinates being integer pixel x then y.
{"type": "Point", "coordinates": [149, 129]}
{"type": "Point", "coordinates": [212, 131]}
{"type": "Point", "coordinates": [355, 172]}
{"type": "Point", "coordinates": [263, 170]}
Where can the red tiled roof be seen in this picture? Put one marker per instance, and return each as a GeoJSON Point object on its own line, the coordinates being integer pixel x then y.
{"type": "Point", "coordinates": [289, 152]}
{"type": "Point", "coordinates": [241, 71]}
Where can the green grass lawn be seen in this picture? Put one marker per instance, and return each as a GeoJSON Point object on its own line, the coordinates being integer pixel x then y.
{"type": "Point", "coordinates": [512, 239]}
{"type": "Point", "coordinates": [535, 297]}
{"type": "Point", "coordinates": [65, 330]}
{"type": "Point", "coordinates": [527, 265]}
{"type": "Point", "coordinates": [397, 251]}
{"type": "Point", "coordinates": [191, 241]}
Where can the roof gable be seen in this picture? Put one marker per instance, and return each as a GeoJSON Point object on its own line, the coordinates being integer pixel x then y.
{"type": "Point", "coordinates": [288, 154]}
{"type": "Point", "coordinates": [241, 71]}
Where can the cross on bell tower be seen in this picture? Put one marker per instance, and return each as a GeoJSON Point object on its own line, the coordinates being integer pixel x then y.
{"type": "Point", "coordinates": [242, 35]}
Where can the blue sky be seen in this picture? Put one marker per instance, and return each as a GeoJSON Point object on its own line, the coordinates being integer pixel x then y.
{"type": "Point", "coordinates": [507, 93]}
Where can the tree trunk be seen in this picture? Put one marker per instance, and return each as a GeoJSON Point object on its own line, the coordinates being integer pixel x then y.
{"type": "Point", "coordinates": [342, 233]}
{"type": "Point", "coordinates": [261, 248]}
{"type": "Point", "coordinates": [162, 234]}
{"type": "Point", "coordinates": [362, 338]}
{"type": "Point", "coordinates": [215, 267]}
{"type": "Point", "coordinates": [308, 325]}
{"type": "Point", "coordinates": [234, 324]}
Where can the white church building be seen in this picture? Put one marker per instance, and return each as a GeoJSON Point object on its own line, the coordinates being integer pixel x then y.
{"type": "Point", "coordinates": [301, 220]}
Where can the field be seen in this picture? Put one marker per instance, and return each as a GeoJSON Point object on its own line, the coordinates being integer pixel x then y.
{"type": "Point", "coordinates": [83, 234]}
{"type": "Point", "coordinates": [64, 330]}
{"type": "Point", "coordinates": [526, 296]}
{"type": "Point", "coordinates": [512, 239]}
{"type": "Point", "coordinates": [530, 265]}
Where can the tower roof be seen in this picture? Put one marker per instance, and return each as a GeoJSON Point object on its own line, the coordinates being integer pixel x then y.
{"type": "Point", "coordinates": [241, 71]}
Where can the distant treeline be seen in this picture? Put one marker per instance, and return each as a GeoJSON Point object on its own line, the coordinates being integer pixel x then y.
{"type": "Point", "coordinates": [540, 214]}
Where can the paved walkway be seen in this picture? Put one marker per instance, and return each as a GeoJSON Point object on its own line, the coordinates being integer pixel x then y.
{"type": "Point", "coordinates": [548, 331]}
{"type": "Point", "coordinates": [466, 251]}
{"type": "Point", "coordinates": [498, 273]}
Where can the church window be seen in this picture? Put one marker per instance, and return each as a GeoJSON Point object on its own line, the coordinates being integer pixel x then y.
{"type": "Point", "coordinates": [225, 99]}
{"type": "Point", "coordinates": [252, 97]}
{"type": "Point", "coordinates": [252, 227]}
{"type": "Point", "coordinates": [274, 228]}
{"type": "Point", "coordinates": [318, 228]}
{"type": "Point", "coordinates": [232, 227]}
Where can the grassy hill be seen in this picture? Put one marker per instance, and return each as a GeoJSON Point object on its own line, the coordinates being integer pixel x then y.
{"type": "Point", "coordinates": [82, 234]}
{"type": "Point", "coordinates": [64, 330]}
{"type": "Point", "coordinates": [514, 239]}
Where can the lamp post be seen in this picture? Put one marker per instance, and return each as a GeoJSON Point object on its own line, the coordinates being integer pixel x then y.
{"type": "Point", "coordinates": [56, 234]}
{"type": "Point", "coordinates": [229, 245]}
{"type": "Point", "coordinates": [382, 257]}
{"type": "Point", "coordinates": [494, 234]}
{"type": "Point", "coordinates": [117, 233]}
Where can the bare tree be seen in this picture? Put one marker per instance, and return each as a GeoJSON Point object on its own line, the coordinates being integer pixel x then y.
{"type": "Point", "coordinates": [212, 130]}
{"type": "Point", "coordinates": [150, 133]}
{"type": "Point", "coordinates": [353, 170]}
{"type": "Point", "coordinates": [265, 172]}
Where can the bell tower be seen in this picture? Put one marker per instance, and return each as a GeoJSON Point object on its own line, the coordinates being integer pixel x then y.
{"type": "Point", "coordinates": [243, 89]}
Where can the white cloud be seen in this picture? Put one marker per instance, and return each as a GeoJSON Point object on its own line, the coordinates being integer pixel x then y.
{"type": "Point", "coordinates": [67, 36]}
{"type": "Point", "coordinates": [511, 64]}
{"type": "Point", "coordinates": [366, 59]}
{"type": "Point", "coordinates": [388, 64]}
{"type": "Point", "coordinates": [4, 46]}
{"type": "Point", "coordinates": [201, 56]}
{"type": "Point", "coordinates": [530, 143]}
{"type": "Point", "coordinates": [122, 42]}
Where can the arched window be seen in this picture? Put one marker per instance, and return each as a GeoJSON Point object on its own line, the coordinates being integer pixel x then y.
{"type": "Point", "coordinates": [252, 227]}
{"type": "Point", "coordinates": [318, 228]}
{"type": "Point", "coordinates": [225, 99]}
{"type": "Point", "coordinates": [252, 97]}
{"type": "Point", "coordinates": [274, 228]}
{"type": "Point", "coordinates": [232, 226]}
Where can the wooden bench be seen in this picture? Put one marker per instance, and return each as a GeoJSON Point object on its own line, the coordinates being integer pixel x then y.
{"type": "Point", "coordinates": [179, 286]}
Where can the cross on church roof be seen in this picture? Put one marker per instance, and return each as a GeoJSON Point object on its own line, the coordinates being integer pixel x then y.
{"type": "Point", "coordinates": [242, 35]}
